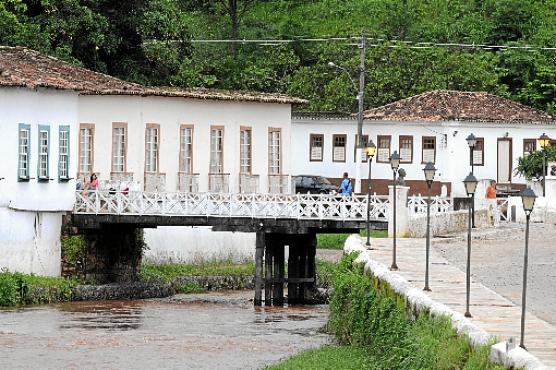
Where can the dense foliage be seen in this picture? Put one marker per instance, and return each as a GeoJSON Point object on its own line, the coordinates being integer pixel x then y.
{"type": "Point", "coordinates": [150, 41]}
{"type": "Point", "coordinates": [366, 313]}
{"type": "Point", "coordinates": [531, 166]}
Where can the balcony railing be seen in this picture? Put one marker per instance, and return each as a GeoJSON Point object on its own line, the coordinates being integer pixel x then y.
{"type": "Point", "coordinates": [279, 184]}
{"type": "Point", "coordinates": [248, 184]}
{"type": "Point", "coordinates": [188, 182]}
{"type": "Point", "coordinates": [219, 182]}
{"type": "Point", "coordinates": [155, 182]}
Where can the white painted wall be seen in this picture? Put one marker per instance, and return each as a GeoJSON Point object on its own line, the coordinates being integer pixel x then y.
{"type": "Point", "coordinates": [182, 244]}
{"type": "Point", "coordinates": [452, 155]}
{"type": "Point", "coordinates": [170, 113]}
{"type": "Point", "coordinates": [197, 244]}
{"type": "Point", "coordinates": [31, 211]}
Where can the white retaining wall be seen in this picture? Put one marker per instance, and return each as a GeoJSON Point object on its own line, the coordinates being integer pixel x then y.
{"type": "Point", "coordinates": [30, 241]}
{"type": "Point", "coordinates": [196, 244]}
{"type": "Point", "coordinates": [445, 223]}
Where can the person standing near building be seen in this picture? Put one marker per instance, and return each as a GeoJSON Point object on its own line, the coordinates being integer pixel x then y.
{"type": "Point", "coordinates": [345, 186]}
{"type": "Point", "coordinates": [491, 201]}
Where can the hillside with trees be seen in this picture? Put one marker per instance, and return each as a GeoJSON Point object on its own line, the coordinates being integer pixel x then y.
{"type": "Point", "coordinates": [158, 42]}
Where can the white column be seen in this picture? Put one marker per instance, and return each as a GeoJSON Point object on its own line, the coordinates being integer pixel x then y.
{"type": "Point", "coordinates": [402, 212]}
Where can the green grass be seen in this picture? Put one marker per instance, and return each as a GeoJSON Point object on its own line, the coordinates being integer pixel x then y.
{"type": "Point", "coordinates": [327, 358]}
{"type": "Point", "coordinates": [336, 241]}
{"type": "Point", "coordinates": [19, 289]}
{"type": "Point", "coordinates": [376, 331]}
{"type": "Point", "coordinates": [168, 272]}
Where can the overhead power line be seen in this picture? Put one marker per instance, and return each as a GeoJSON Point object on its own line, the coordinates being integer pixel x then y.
{"type": "Point", "coordinates": [373, 42]}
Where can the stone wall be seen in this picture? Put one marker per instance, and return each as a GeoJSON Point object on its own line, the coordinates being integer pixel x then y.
{"type": "Point", "coordinates": [445, 223]}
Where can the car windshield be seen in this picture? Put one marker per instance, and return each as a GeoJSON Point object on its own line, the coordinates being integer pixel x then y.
{"type": "Point", "coordinates": [323, 180]}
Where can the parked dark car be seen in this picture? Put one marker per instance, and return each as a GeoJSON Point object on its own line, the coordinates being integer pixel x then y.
{"type": "Point", "coordinates": [314, 185]}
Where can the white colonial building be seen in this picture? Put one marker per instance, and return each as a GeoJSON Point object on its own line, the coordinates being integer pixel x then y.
{"type": "Point", "coordinates": [428, 127]}
{"type": "Point", "coordinates": [61, 123]}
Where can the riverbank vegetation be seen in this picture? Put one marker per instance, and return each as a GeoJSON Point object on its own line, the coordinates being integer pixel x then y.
{"type": "Point", "coordinates": [375, 331]}
{"type": "Point", "coordinates": [21, 289]}
{"type": "Point", "coordinates": [336, 241]}
{"type": "Point", "coordinates": [169, 271]}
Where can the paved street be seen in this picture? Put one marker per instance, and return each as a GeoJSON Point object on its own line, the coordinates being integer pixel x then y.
{"type": "Point", "coordinates": [497, 262]}
{"type": "Point", "coordinates": [496, 265]}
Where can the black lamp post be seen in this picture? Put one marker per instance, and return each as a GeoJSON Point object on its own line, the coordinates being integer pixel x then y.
{"type": "Point", "coordinates": [395, 164]}
{"type": "Point", "coordinates": [528, 199]}
{"type": "Point", "coordinates": [370, 151]}
{"type": "Point", "coordinates": [471, 142]}
{"type": "Point", "coordinates": [544, 142]}
{"type": "Point", "coordinates": [470, 183]}
{"type": "Point", "coordinates": [429, 171]}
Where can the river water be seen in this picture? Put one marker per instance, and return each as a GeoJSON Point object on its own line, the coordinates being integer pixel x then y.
{"type": "Point", "coordinates": [201, 331]}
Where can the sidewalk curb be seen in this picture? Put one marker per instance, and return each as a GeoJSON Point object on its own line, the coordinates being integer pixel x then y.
{"type": "Point", "coordinates": [418, 301]}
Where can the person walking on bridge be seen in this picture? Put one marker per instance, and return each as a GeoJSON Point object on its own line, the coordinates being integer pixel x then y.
{"type": "Point", "coordinates": [345, 187]}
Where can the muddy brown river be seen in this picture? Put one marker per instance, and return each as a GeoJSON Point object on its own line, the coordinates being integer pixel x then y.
{"type": "Point", "coordinates": [202, 331]}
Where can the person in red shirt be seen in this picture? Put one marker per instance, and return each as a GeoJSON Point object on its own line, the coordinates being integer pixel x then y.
{"type": "Point", "coordinates": [491, 190]}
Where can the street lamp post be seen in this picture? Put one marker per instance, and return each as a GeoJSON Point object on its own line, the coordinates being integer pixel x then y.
{"type": "Point", "coordinates": [544, 142]}
{"type": "Point", "coordinates": [470, 183]}
{"type": "Point", "coordinates": [395, 164]}
{"type": "Point", "coordinates": [360, 98]}
{"type": "Point", "coordinates": [528, 200]}
{"type": "Point", "coordinates": [471, 142]}
{"type": "Point", "coordinates": [429, 171]}
{"type": "Point", "coordinates": [370, 151]}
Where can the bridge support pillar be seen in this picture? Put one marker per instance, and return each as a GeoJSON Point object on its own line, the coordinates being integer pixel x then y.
{"type": "Point", "coordinates": [301, 268]}
{"type": "Point", "coordinates": [270, 268]}
{"type": "Point", "coordinates": [113, 253]}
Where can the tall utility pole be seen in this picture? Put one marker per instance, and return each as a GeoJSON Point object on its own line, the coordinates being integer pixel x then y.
{"type": "Point", "coordinates": [359, 145]}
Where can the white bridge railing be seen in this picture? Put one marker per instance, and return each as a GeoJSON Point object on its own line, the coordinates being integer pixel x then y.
{"type": "Point", "coordinates": [417, 204]}
{"type": "Point", "coordinates": [296, 206]}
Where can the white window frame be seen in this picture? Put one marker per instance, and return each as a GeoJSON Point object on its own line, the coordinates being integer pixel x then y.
{"type": "Point", "coordinates": [86, 148]}
{"type": "Point", "coordinates": [43, 153]}
{"type": "Point", "coordinates": [186, 149]}
{"type": "Point", "coordinates": [119, 147]}
{"type": "Point", "coordinates": [63, 153]}
{"type": "Point", "coordinates": [274, 151]}
{"type": "Point", "coordinates": [245, 150]}
{"type": "Point", "coordinates": [216, 165]}
{"type": "Point", "coordinates": [152, 147]}
{"type": "Point", "coordinates": [24, 152]}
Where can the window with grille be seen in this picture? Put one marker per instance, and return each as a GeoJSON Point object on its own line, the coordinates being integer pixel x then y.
{"type": "Point", "coordinates": [216, 150]}
{"type": "Point", "coordinates": [274, 159]}
{"type": "Point", "coordinates": [429, 149]}
{"type": "Point", "coordinates": [338, 148]}
{"type": "Point", "coordinates": [86, 133]}
{"type": "Point", "coordinates": [316, 145]}
{"type": "Point", "coordinates": [186, 149]}
{"type": "Point", "coordinates": [118, 148]}
{"type": "Point", "coordinates": [383, 149]}
{"type": "Point", "coordinates": [63, 152]}
{"type": "Point", "coordinates": [245, 150]}
{"type": "Point", "coordinates": [151, 148]}
{"type": "Point", "coordinates": [479, 152]}
{"type": "Point", "coordinates": [24, 151]}
{"type": "Point", "coordinates": [42, 167]}
{"type": "Point", "coordinates": [406, 149]}
{"type": "Point", "coordinates": [529, 146]}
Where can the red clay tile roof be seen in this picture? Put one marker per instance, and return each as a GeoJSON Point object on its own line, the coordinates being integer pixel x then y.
{"type": "Point", "coordinates": [447, 105]}
{"type": "Point", "coordinates": [28, 68]}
